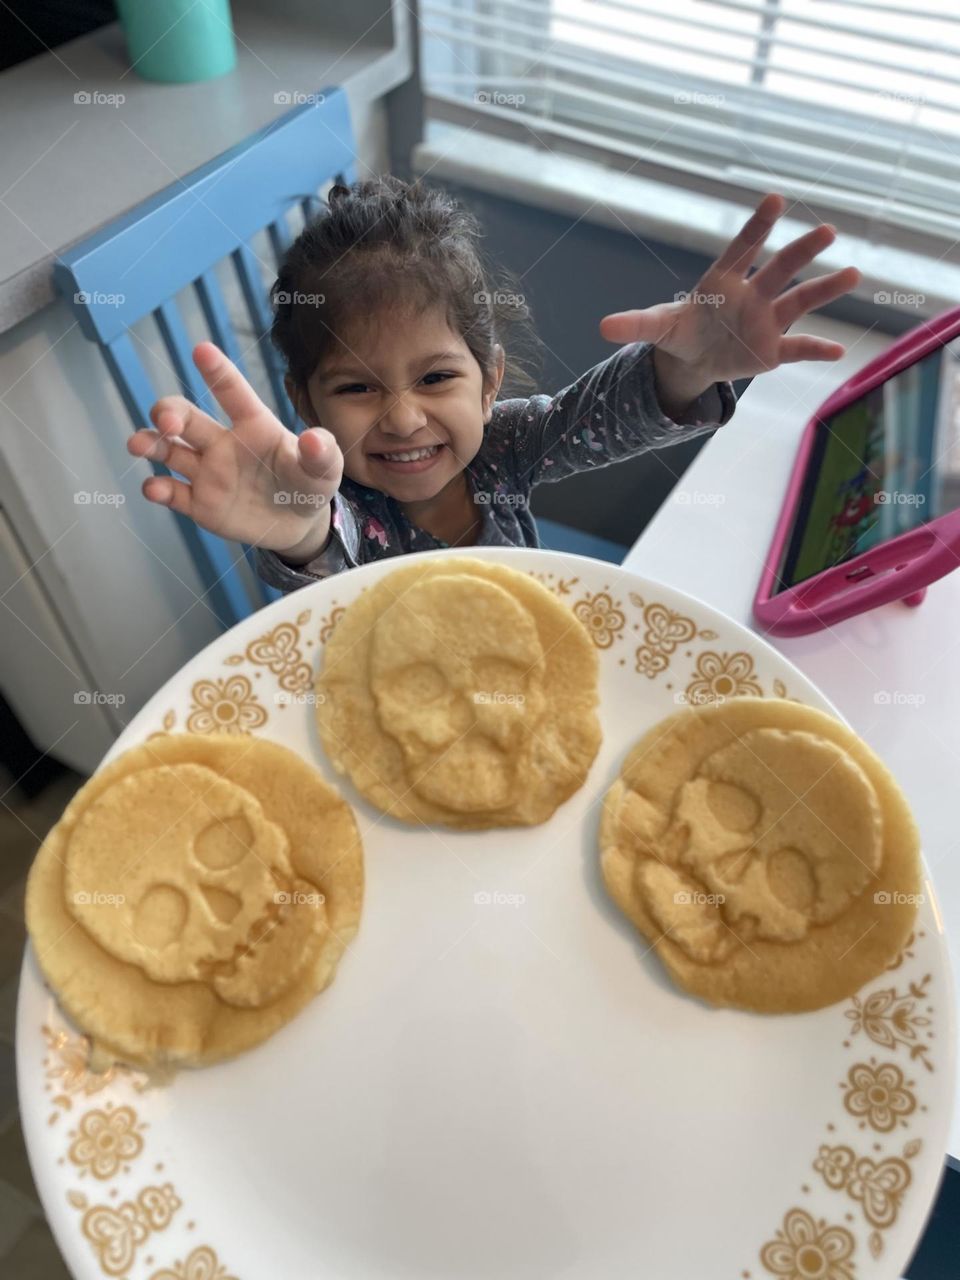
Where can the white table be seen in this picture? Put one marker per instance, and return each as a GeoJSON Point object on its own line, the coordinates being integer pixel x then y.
{"type": "Point", "coordinates": [894, 673]}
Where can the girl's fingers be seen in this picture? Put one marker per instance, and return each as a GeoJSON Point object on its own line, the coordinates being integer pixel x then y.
{"type": "Point", "coordinates": [792, 258]}
{"type": "Point", "coordinates": [172, 453]}
{"type": "Point", "coordinates": [319, 454]}
{"type": "Point", "coordinates": [233, 392]}
{"type": "Point", "coordinates": [177, 416]}
{"type": "Point", "coordinates": [168, 492]}
{"type": "Point", "coordinates": [812, 294]}
{"type": "Point", "coordinates": [652, 324]}
{"type": "Point", "coordinates": [746, 244]}
{"type": "Point", "coordinates": [804, 346]}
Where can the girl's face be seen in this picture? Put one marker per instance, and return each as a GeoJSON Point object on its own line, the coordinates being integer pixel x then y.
{"type": "Point", "coordinates": [406, 404]}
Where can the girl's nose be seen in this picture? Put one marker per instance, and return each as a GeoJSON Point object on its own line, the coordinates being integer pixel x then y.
{"type": "Point", "coordinates": [403, 417]}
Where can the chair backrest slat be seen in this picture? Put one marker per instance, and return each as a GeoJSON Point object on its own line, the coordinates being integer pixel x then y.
{"type": "Point", "coordinates": [214, 308]}
{"type": "Point", "coordinates": [247, 268]}
{"type": "Point", "coordinates": [135, 266]}
{"type": "Point", "coordinates": [178, 345]}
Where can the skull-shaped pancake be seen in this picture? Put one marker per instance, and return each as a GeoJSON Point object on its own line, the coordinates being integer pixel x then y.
{"type": "Point", "coordinates": [195, 894]}
{"type": "Point", "coordinates": [766, 852]}
{"type": "Point", "coordinates": [460, 692]}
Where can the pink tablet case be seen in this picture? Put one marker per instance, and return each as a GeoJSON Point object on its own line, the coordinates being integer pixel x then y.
{"type": "Point", "coordinates": [898, 569]}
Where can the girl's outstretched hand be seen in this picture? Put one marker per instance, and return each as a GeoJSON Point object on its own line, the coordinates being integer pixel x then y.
{"type": "Point", "coordinates": [256, 482]}
{"type": "Point", "coordinates": [731, 326]}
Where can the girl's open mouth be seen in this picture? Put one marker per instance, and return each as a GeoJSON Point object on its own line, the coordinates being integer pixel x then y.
{"type": "Point", "coordinates": [407, 461]}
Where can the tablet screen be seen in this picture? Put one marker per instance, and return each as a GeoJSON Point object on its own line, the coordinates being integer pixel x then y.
{"type": "Point", "coordinates": [888, 462]}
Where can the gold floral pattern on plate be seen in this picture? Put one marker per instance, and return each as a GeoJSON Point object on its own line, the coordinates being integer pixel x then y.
{"type": "Point", "coordinates": [553, 582]}
{"type": "Point", "coordinates": [890, 1019]}
{"type": "Point", "coordinates": [225, 706]}
{"type": "Point", "coordinates": [117, 1233]}
{"type": "Point", "coordinates": [67, 1072]}
{"type": "Point", "coordinates": [878, 1095]}
{"type": "Point", "coordinates": [719, 676]}
{"type": "Point", "coordinates": [603, 618]}
{"type": "Point", "coordinates": [279, 651]}
{"type": "Point", "coordinates": [877, 1185]}
{"type": "Point", "coordinates": [104, 1141]}
{"type": "Point", "coordinates": [664, 630]}
{"type": "Point", "coordinates": [804, 1249]}
{"type": "Point", "coordinates": [202, 1264]}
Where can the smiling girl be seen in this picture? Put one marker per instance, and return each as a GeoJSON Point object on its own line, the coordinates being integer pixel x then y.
{"type": "Point", "coordinates": [394, 337]}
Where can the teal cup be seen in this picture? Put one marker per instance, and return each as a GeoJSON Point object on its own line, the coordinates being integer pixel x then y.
{"type": "Point", "coordinates": [179, 40]}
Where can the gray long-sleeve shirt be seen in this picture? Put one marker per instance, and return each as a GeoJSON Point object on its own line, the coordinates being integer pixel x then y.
{"type": "Point", "coordinates": [609, 413]}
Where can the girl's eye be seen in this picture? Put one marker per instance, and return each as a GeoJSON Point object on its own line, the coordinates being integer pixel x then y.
{"type": "Point", "coordinates": [350, 388]}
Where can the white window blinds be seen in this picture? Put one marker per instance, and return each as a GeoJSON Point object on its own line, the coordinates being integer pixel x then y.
{"type": "Point", "coordinates": [843, 105]}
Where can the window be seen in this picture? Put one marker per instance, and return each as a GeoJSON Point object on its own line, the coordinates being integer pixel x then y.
{"type": "Point", "coordinates": [843, 105]}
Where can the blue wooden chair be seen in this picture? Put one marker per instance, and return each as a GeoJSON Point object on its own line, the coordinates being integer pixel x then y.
{"type": "Point", "coordinates": [134, 267]}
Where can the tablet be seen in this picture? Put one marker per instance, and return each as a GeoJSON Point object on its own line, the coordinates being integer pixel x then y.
{"type": "Point", "coordinates": [872, 511]}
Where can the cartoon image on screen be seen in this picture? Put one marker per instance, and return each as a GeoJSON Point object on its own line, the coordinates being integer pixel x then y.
{"type": "Point", "coordinates": [885, 464]}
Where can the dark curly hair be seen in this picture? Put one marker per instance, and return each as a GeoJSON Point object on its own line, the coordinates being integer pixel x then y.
{"type": "Point", "coordinates": [382, 246]}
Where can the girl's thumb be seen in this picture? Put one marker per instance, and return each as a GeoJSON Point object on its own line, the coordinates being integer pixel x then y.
{"type": "Point", "coordinates": [318, 453]}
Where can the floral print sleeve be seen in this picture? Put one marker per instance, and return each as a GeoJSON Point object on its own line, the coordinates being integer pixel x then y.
{"type": "Point", "coordinates": [611, 412]}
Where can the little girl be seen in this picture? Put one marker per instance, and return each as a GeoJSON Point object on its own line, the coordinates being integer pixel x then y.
{"type": "Point", "coordinates": [390, 326]}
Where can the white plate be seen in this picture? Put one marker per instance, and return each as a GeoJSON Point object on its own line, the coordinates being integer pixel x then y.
{"type": "Point", "coordinates": [501, 1081]}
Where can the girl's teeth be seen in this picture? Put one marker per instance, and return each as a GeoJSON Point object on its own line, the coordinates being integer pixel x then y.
{"type": "Point", "coordinates": [413, 456]}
